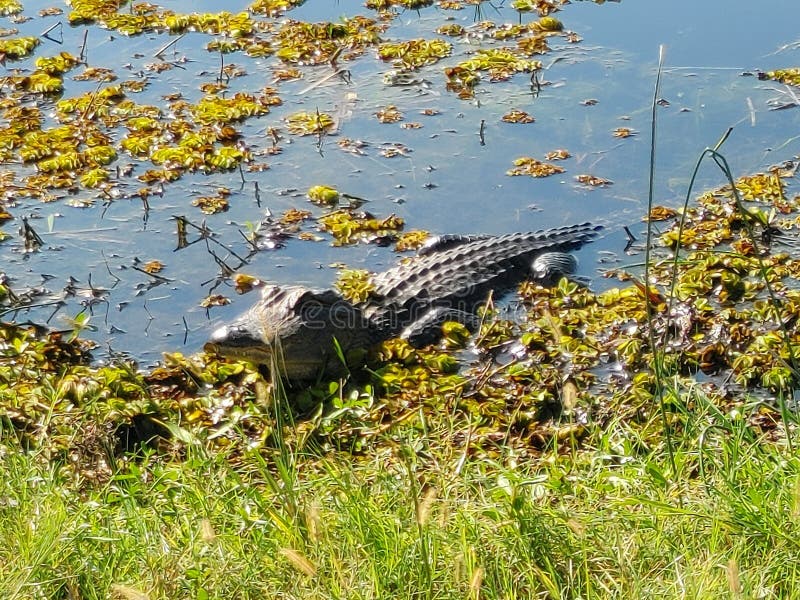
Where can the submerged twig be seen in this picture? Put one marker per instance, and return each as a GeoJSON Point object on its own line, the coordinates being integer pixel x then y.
{"type": "Point", "coordinates": [13, 309]}
{"type": "Point", "coordinates": [156, 276]}
{"type": "Point", "coordinates": [82, 55]}
{"type": "Point", "coordinates": [46, 33]}
{"type": "Point", "coordinates": [168, 45]}
{"type": "Point", "coordinates": [320, 133]}
{"type": "Point", "coordinates": [343, 73]}
{"type": "Point", "coordinates": [30, 238]}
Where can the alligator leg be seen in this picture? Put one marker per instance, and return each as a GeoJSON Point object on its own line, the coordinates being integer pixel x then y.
{"type": "Point", "coordinates": [552, 266]}
{"type": "Point", "coordinates": [548, 267]}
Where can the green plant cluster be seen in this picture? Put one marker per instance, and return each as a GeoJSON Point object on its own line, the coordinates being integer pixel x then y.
{"type": "Point", "coordinates": [350, 226]}
{"type": "Point", "coordinates": [412, 54]}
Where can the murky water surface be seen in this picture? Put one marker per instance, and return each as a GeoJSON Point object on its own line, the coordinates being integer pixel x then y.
{"type": "Point", "coordinates": [449, 180]}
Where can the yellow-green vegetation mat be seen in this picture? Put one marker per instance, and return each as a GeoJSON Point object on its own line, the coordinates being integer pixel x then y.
{"type": "Point", "coordinates": [724, 328]}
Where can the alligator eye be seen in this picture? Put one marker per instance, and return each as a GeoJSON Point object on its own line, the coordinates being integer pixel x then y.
{"type": "Point", "coordinates": [231, 334]}
{"type": "Point", "coordinates": [235, 336]}
{"type": "Point", "coordinates": [221, 334]}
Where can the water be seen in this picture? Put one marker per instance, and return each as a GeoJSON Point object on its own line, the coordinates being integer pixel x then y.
{"type": "Point", "coordinates": [449, 182]}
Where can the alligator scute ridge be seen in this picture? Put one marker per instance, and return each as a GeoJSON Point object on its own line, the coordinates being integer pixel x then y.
{"type": "Point", "coordinates": [293, 328]}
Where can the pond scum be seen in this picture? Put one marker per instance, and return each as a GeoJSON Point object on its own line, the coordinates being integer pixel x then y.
{"type": "Point", "coordinates": [720, 316]}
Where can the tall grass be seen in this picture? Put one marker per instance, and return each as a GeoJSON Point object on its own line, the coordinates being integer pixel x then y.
{"type": "Point", "coordinates": [605, 522]}
{"type": "Point", "coordinates": [665, 385]}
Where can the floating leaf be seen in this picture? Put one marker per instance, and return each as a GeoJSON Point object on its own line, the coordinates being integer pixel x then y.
{"type": "Point", "coordinates": [294, 215]}
{"type": "Point", "coordinates": [227, 157]}
{"type": "Point", "coordinates": [214, 300]}
{"type": "Point", "coordinates": [593, 181]}
{"type": "Point", "coordinates": [407, 4]}
{"type": "Point", "coordinates": [764, 187]}
{"type": "Point", "coordinates": [43, 83]}
{"type": "Point", "coordinates": [18, 47]}
{"type": "Point", "coordinates": [213, 109]}
{"type": "Point", "coordinates": [789, 76]}
{"type": "Point", "coordinates": [550, 24]}
{"type": "Point", "coordinates": [287, 74]}
{"type": "Point", "coordinates": [323, 195]}
{"type": "Point", "coordinates": [624, 132]}
{"type": "Point", "coordinates": [533, 167]}
{"type": "Point", "coordinates": [517, 116]}
{"type": "Point", "coordinates": [661, 213]}
{"type": "Point", "coordinates": [349, 227]}
{"type": "Point", "coordinates": [10, 7]}
{"type": "Point", "coordinates": [95, 74]}
{"type": "Point", "coordinates": [94, 177]}
{"type": "Point", "coordinates": [500, 63]}
{"type": "Point", "coordinates": [56, 65]}
{"type": "Point", "coordinates": [560, 154]}
{"type": "Point", "coordinates": [153, 266]}
{"type": "Point", "coordinates": [212, 204]}
{"type": "Point", "coordinates": [244, 283]}
{"type": "Point", "coordinates": [272, 8]}
{"type": "Point", "coordinates": [394, 150]}
{"type": "Point", "coordinates": [533, 45]}
{"type": "Point", "coordinates": [411, 240]}
{"type": "Point", "coordinates": [390, 114]}
{"type": "Point", "coordinates": [451, 29]}
{"type": "Point", "coordinates": [315, 43]}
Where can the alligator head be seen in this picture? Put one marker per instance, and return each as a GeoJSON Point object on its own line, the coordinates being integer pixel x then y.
{"type": "Point", "coordinates": [294, 330]}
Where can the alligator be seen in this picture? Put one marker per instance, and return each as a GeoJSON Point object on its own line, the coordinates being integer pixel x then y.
{"type": "Point", "coordinates": [304, 333]}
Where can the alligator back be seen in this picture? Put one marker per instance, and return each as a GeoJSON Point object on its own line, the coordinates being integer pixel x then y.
{"type": "Point", "coordinates": [461, 273]}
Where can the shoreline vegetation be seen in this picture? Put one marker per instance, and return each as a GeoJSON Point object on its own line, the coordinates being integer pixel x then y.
{"type": "Point", "coordinates": [560, 473]}
{"type": "Point", "coordinates": [639, 442]}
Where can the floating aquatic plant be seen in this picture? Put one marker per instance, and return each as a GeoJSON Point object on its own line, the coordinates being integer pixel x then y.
{"type": "Point", "coordinates": [499, 63]}
{"type": "Point", "coordinates": [18, 47]}
{"type": "Point", "coordinates": [355, 284]}
{"type": "Point", "coordinates": [304, 123]}
{"type": "Point", "coordinates": [412, 54]}
{"type": "Point", "coordinates": [349, 226]}
{"type": "Point", "coordinates": [790, 76]}
{"type": "Point", "coordinates": [323, 195]}
{"type": "Point", "coordinates": [315, 43]}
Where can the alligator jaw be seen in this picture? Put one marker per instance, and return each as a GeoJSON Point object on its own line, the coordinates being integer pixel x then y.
{"type": "Point", "coordinates": [262, 354]}
{"type": "Point", "coordinates": [236, 341]}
